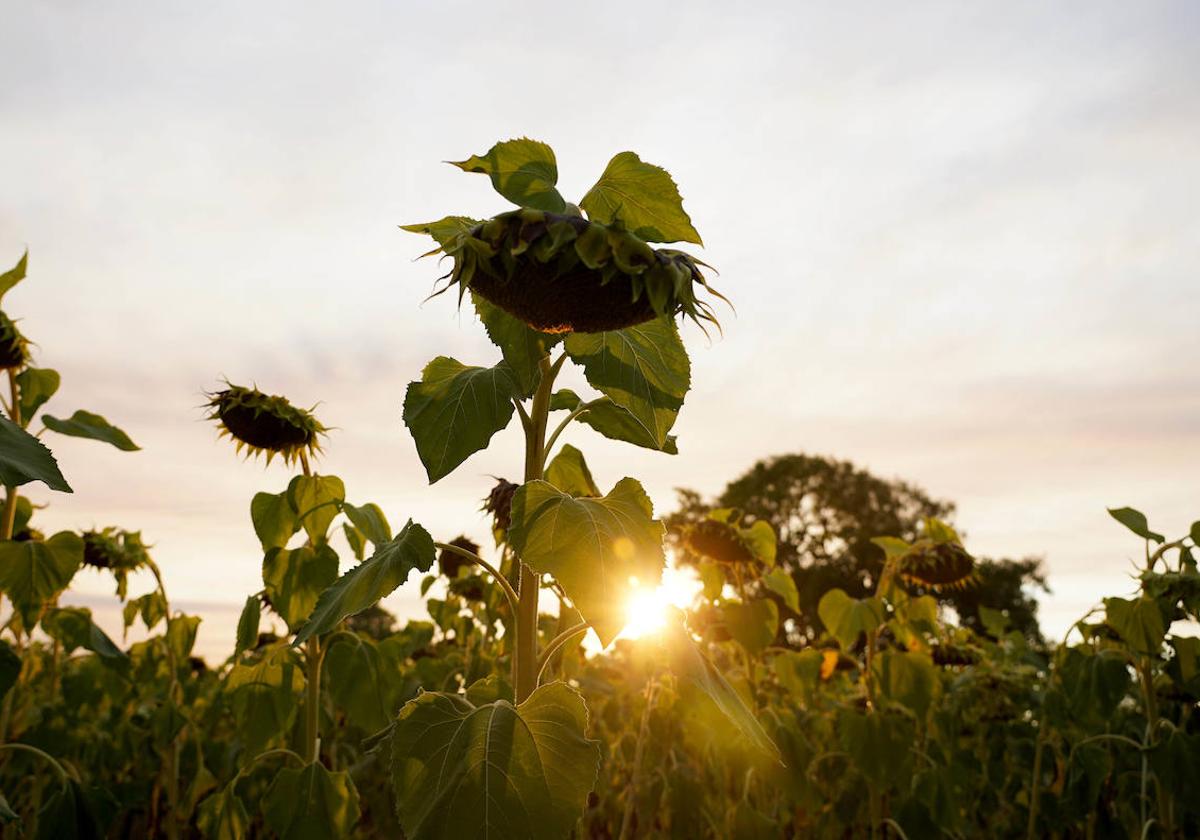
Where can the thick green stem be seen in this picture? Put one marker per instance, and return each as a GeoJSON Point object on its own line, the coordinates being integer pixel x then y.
{"type": "Point", "coordinates": [527, 607]}
{"type": "Point", "coordinates": [312, 706]}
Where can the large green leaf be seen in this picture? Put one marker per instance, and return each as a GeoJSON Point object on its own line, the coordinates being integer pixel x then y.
{"type": "Point", "coordinates": [222, 816]}
{"type": "Point", "coordinates": [782, 584]}
{"type": "Point", "coordinates": [370, 521]}
{"type": "Point", "coordinates": [23, 458]}
{"type": "Point", "coordinates": [375, 578]}
{"type": "Point", "coordinates": [699, 678]}
{"type": "Point", "coordinates": [181, 634]}
{"type": "Point", "coordinates": [845, 617]}
{"type": "Point", "coordinates": [36, 385]}
{"type": "Point", "coordinates": [263, 696]}
{"type": "Point", "coordinates": [617, 423]}
{"type": "Point", "coordinates": [455, 409]}
{"type": "Point", "coordinates": [359, 682]}
{"type": "Point", "coordinates": [909, 678]}
{"type": "Point", "coordinates": [1135, 521]}
{"type": "Point", "coordinates": [523, 348]}
{"type": "Point", "coordinates": [644, 197]}
{"type": "Point", "coordinates": [569, 472]}
{"type": "Point", "coordinates": [752, 625]}
{"type": "Point", "coordinates": [74, 628]}
{"type": "Point", "coordinates": [524, 171]}
{"type": "Point", "coordinates": [1139, 622]}
{"type": "Point", "coordinates": [461, 770]}
{"type": "Point", "coordinates": [84, 424]}
{"type": "Point", "coordinates": [311, 803]}
{"type": "Point", "coordinates": [14, 275]}
{"type": "Point", "coordinates": [592, 547]}
{"type": "Point", "coordinates": [643, 369]}
{"type": "Point", "coordinates": [152, 608]}
{"type": "Point", "coordinates": [33, 573]}
{"type": "Point", "coordinates": [273, 518]}
{"type": "Point", "coordinates": [315, 500]}
{"type": "Point", "coordinates": [296, 577]}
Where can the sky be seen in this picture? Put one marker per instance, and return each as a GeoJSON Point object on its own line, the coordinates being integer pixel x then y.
{"type": "Point", "coordinates": [961, 240]}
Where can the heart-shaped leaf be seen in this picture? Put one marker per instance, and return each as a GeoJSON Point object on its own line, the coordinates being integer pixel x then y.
{"type": "Point", "coordinates": [36, 386]}
{"type": "Point", "coordinates": [295, 578]}
{"type": "Point", "coordinates": [645, 199]}
{"type": "Point", "coordinates": [311, 803]}
{"type": "Point", "coordinates": [569, 472]}
{"type": "Point", "coordinates": [524, 171]}
{"type": "Point", "coordinates": [846, 618]}
{"type": "Point", "coordinates": [33, 573]}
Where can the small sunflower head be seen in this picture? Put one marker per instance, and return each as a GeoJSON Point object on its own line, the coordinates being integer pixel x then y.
{"type": "Point", "coordinates": [499, 504]}
{"type": "Point", "coordinates": [264, 424]}
{"type": "Point", "coordinates": [449, 563]}
{"type": "Point", "coordinates": [938, 560]}
{"type": "Point", "coordinates": [14, 348]}
{"type": "Point", "coordinates": [112, 548]}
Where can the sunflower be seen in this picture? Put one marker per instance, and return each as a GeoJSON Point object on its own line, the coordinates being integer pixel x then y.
{"type": "Point", "coordinates": [938, 560]}
{"type": "Point", "coordinates": [266, 424]}
{"type": "Point", "coordinates": [14, 348]}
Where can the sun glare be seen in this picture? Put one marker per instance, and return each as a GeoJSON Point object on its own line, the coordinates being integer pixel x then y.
{"type": "Point", "coordinates": [647, 608]}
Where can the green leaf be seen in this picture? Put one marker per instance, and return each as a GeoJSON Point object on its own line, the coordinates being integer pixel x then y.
{"type": "Point", "coordinates": [33, 573]}
{"type": "Point", "coordinates": [700, 679]}
{"type": "Point", "coordinates": [908, 678]}
{"type": "Point", "coordinates": [644, 197]}
{"type": "Point", "coordinates": [444, 231]}
{"type": "Point", "coordinates": [616, 423]}
{"type": "Point", "coordinates": [524, 171]}
{"type": "Point", "coordinates": [454, 411]}
{"type": "Point", "coordinates": [222, 816]}
{"type": "Point", "coordinates": [152, 608]}
{"type": "Point", "coordinates": [712, 576]}
{"type": "Point", "coordinates": [358, 542]}
{"type": "Point", "coordinates": [358, 682]}
{"type": "Point", "coordinates": [295, 579]}
{"type": "Point", "coordinates": [523, 348]}
{"type": "Point", "coordinates": [1139, 622]}
{"type": "Point", "coordinates": [564, 399]}
{"type": "Point", "coordinates": [263, 696]}
{"type": "Point", "coordinates": [1135, 521]}
{"type": "Point", "coordinates": [10, 667]}
{"type": "Point", "coordinates": [752, 625]}
{"type": "Point", "coordinates": [781, 583]}
{"type": "Point", "coordinates": [643, 369]}
{"type": "Point", "coordinates": [375, 578]}
{"type": "Point", "coordinates": [316, 499]}
{"type": "Point", "coordinates": [1195, 533]}
{"type": "Point", "coordinates": [74, 628]}
{"type": "Point", "coordinates": [24, 458]}
{"type": "Point", "coordinates": [893, 547]}
{"type": "Point", "coordinates": [846, 618]}
{"type": "Point", "coordinates": [247, 626]}
{"type": "Point", "coordinates": [592, 547]}
{"type": "Point", "coordinates": [799, 671]}
{"type": "Point", "coordinates": [273, 518]}
{"type": "Point", "coordinates": [14, 275]}
{"type": "Point", "coordinates": [84, 424]}
{"type": "Point", "coordinates": [311, 803]}
{"type": "Point", "coordinates": [369, 519]}
{"type": "Point", "coordinates": [879, 745]}
{"type": "Point", "coordinates": [181, 635]}
{"type": "Point", "coordinates": [460, 770]}
{"type": "Point", "coordinates": [570, 474]}
{"type": "Point", "coordinates": [995, 622]}
{"type": "Point", "coordinates": [36, 385]}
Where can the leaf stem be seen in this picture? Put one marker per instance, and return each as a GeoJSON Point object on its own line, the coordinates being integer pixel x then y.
{"type": "Point", "coordinates": [62, 773]}
{"type": "Point", "coordinates": [563, 425]}
{"type": "Point", "coordinates": [557, 642]}
{"type": "Point", "coordinates": [509, 592]}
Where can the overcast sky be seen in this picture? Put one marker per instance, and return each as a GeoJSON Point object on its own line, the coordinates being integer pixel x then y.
{"type": "Point", "coordinates": [962, 242]}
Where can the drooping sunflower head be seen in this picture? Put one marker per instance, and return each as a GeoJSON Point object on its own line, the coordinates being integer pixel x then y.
{"type": "Point", "coordinates": [449, 563]}
{"type": "Point", "coordinates": [938, 560]}
{"type": "Point", "coordinates": [112, 548]}
{"type": "Point", "coordinates": [14, 347]}
{"type": "Point", "coordinates": [499, 504]}
{"type": "Point", "coordinates": [268, 425]}
{"type": "Point", "coordinates": [721, 537]}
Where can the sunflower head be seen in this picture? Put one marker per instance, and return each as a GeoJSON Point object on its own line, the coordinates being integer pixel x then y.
{"type": "Point", "coordinates": [938, 560]}
{"type": "Point", "coordinates": [722, 538]}
{"type": "Point", "coordinates": [113, 548]}
{"type": "Point", "coordinates": [449, 563]}
{"type": "Point", "coordinates": [268, 425]}
{"type": "Point", "coordinates": [499, 504]}
{"type": "Point", "coordinates": [14, 348]}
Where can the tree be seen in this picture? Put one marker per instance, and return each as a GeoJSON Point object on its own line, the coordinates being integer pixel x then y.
{"type": "Point", "coordinates": [825, 513]}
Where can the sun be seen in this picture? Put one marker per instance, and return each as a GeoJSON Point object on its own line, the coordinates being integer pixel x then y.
{"type": "Point", "coordinates": [646, 610]}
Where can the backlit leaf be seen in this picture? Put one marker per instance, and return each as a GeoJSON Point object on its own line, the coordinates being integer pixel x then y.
{"type": "Point", "coordinates": [461, 770]}
{"type": "Point", "coordinates": [311, 803]}
{"type": "Point", "coordinates": [524, 171]}
{"type": "Point", "coordinates": [84, 424]}
{"type": "Point", "coordinates": [643, 369]}
{"type": "Point", "coordinates": [315, 501]}
{"type": "Point", "coordinates": [295, 578]}
{"type": "Point", "coordinates": [33, 573]}
{"type": "Point", "coordinates": [14, 275]}
{"type": "Point", "coordinates": [375, 578]}
{"type": "Point", "coordinates": [569, 472]}
{"type": "Point", "coordinates": [847, 618]}
{"type": "Point", "coordinates": [369, 519]}
{"type": "Point", "coordinates": [36, 386]}
{"type": "Point", "coordinates": [781, 583]}
{"type": "Point", "coordinates": [617, 423]}
{"type": "Point", "coordinates": [753, 625]}
{"type": "Point", "coordinates": [644, 197]}
{"type": "Point", "coordinates": [1139, 622]}
{"type": "Point", "coordinates": [523, 348]}
{"type": "Point", "coordinates": [247, 626]}
{"type": "Point", "coordinates": [454, 411]}
{"type": "Point", "coordinates": [592, 547]}
{"type": "Point", "coordinates": [273, 518]}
